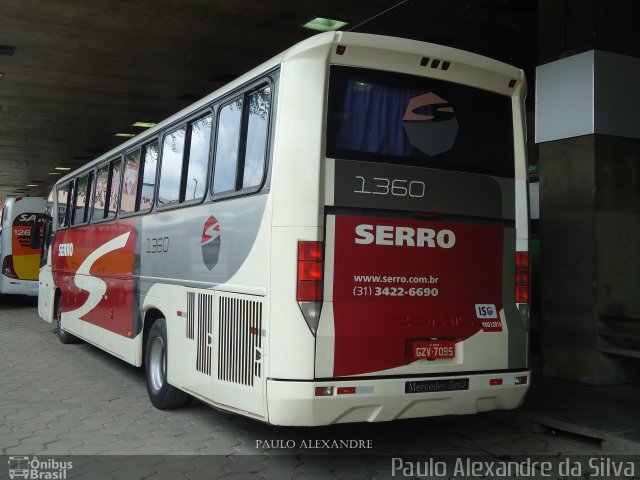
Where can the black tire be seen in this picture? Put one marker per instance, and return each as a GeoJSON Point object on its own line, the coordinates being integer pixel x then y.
{"type": "Point", "coordinates": [162, 395]}
{"type": "Point", "coordinates": [64, 337]}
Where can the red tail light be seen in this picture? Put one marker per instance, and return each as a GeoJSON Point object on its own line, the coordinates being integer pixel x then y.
{"type": "Point", "coordinates": [7, 267]}
{"type": "Point", "coordinates": [522, 259]}
{"type": "Point", "coordinates": [310, 272]}
{"type": "Point", "coordinates": [522, 277]}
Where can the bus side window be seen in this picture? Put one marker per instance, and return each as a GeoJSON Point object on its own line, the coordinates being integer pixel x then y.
{"type": "Point", "coordinates": [171, 167]}
{"type": "Point", "coordinates": [227, 144]}
{"type": "Point", "coordinates": [256, 142]}
{"type": "Point", "coordinates": [199, 142]}
{"type": "Point", "coordinates": [63, 200]}
{"type": "Point", "coordinates": [185, 159]}
{"type": "Point", "coordinates": [241, 142]}
{"type": "Point", "coordinates": [130, 182]}
{"type": "Point", "coordinates": [149, 166]}
{"type": "Point", "coordinates": [83, 197]}
{"type": "Point", "coordinates": [115, 177]}
{"type": "Point", "coordinates": [99, 199]}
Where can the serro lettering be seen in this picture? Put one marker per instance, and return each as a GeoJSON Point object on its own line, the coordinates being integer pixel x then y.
{"type": "Point", "coordinates": [404, 236]}
{"type": "Point", "coordinates": [65, 250]}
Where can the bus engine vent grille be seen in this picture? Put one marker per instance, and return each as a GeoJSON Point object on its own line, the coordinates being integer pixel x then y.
{"type": "Point", "coordinates": [205, 332]}
{"type": "Point", "coordinates": [191, 313]}
{"type": "Point", "coordinates": [240, 340]}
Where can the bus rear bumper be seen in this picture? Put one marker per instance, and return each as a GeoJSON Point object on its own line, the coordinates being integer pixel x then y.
{"type": "Point", "coordinates": [12, 286]}
{"type": "Point", "coordinates": [380, 400]}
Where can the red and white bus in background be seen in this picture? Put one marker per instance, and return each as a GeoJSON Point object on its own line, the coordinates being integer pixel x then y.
{"type": "Point", "coordinates": [340, 235]}
{"type": "Point", "coordinates": [20, 261]}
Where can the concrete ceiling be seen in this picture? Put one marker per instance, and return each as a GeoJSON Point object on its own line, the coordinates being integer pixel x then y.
{"type": "Point", "coordinates": [76, 72]}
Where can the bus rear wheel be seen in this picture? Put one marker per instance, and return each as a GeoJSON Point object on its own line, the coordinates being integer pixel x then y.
{"type": "Point", "coordinates": [64, 337]}
{"type": "Point", "coordinates": [161, 393]}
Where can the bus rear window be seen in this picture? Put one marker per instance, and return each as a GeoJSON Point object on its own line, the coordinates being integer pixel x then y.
{"type": "Point", "coordinates": [396, 118]}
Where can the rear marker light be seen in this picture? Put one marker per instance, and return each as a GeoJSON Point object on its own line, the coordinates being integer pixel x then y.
{"type": "Point", "coordinates": [495, 381]}
{"type": "Point", "coordinates": [340, 49]}
{"type": "Point", "coordinates": [324, 391]}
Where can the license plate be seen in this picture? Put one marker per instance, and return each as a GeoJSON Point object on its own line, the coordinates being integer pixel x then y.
{"type": "Point", "coordinates": [433, 350]}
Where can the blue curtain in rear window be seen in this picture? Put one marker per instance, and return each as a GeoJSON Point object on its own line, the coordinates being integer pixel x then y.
{"type": "Point", "coordinates": [373, 119]}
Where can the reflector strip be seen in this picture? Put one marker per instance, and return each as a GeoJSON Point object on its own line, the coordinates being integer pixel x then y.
{"type": "Point", "coordinates": [495, 381]}
{"type": "Point", "coordinates": [346, 390]}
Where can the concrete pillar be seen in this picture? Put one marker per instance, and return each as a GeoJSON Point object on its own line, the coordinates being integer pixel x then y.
{"type": "Point", "coordinates": [590, 195]}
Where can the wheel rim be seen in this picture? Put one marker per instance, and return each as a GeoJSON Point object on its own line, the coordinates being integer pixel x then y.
{"type": "Point", "coordinates": [157, 364]}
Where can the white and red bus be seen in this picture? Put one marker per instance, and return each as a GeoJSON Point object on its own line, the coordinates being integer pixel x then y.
{"type": "Point", "coordinates": [20, 261]}
{"type": "Point", "coordinates": [340, 235]}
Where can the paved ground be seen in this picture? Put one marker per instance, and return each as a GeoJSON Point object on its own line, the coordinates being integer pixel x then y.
{"type": "Point", "coordinates": [77, 400]}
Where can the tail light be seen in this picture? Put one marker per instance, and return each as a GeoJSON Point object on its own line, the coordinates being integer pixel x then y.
{"type": "Point", "coordinates": [7, 267]}
{"type": "Point", "coordinates": [522, 277]}
{"type": "Point", "coordinates": [310, 281]}
{"type": "Point", "coordinates": [310, 270]}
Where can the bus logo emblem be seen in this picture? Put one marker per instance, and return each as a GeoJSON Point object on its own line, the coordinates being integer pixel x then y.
{"type": "Point", "coordinates": [430, 124]}
{"type": "Point", "coordinates": [210, 242]}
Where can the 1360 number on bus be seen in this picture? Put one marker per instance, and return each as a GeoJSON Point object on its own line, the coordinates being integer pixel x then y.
{"type": "Point", "coordinates": [158, 245]}
{"type": "Point", "coordinates": [387, 186]}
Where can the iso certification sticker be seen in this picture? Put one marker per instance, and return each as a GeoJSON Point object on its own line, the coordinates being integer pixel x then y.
{"type": "Point", "coordinates": [486, 311]}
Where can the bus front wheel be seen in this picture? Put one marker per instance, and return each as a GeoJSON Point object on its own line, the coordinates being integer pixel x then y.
{"type": "Point", "coordinates": [161, 393]}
